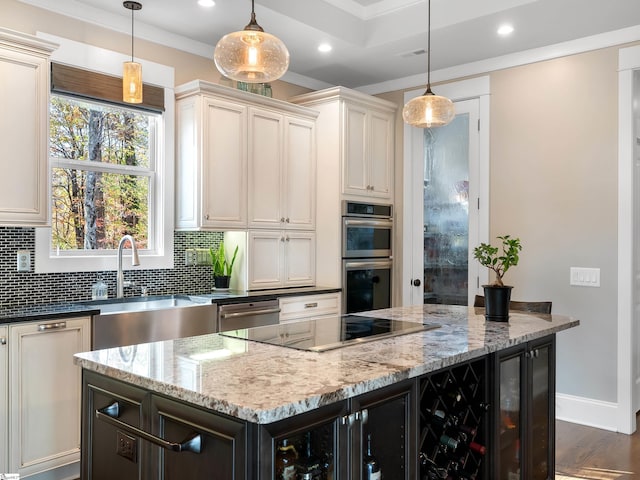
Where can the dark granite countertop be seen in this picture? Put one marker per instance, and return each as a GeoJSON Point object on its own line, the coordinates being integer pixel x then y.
{"type": "Point", "coordinates": [52, 311]}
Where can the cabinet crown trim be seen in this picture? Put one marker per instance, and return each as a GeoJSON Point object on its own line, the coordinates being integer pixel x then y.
{"type": "Point", "coordinates": [23, 41]}
{"type": "Point", "coordinates": [343, 93]}
{"type": "Point", "coordinates": [199, 87]}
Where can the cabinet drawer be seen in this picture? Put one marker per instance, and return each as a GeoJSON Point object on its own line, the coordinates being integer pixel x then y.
{"type": "Point", "coordinates": [295, 308]}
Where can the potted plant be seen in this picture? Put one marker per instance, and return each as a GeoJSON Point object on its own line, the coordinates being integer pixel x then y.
{"type": "Point", "coordinates": [497, 295]}
{"type": "Point", "coordinates": [221, 268]}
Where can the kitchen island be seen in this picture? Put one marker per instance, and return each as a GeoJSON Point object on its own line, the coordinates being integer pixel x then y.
{"type": "Point", "coordinates": [408, 392]}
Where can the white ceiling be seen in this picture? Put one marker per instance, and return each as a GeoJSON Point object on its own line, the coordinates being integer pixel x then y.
{"type": "Point", "coordinates": [372, 40]}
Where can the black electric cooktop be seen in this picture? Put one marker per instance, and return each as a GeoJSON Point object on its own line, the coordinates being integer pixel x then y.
{"type": "Point", "coordinates": [322, 334]}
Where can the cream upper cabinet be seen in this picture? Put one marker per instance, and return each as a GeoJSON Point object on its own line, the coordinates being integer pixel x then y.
{"type": "Point", "coordinates": [357, 130]}
{"type": "Point", "coordinates": [4, 398]}
{"type": "Point", "coordinates": [212, 163]}
{"type": "Point", "coordinates": [280, 258]}
{"type": "Point", "coordinates": [234, 151]}
{"type": "Point", "coordinates": [45, 394]}
{"type": "Point", "coordinates": [24, 129]}
{"type": "Point", "coordinates": [281, 171]}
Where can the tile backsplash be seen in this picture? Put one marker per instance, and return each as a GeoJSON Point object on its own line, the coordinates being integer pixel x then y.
{"type": "Point", "coordinates": [28, 288]}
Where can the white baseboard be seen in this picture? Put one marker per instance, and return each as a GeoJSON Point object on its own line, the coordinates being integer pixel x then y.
{"type": "Point", "coordinates": [586, 411]}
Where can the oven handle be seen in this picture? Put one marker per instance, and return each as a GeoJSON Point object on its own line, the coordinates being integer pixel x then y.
{"type": "Point", "coordinates": [250, 313]}
{"type": "Point", "coordinates": [369, 264]}
{"type": "Point", "coordinates": [368, 223]}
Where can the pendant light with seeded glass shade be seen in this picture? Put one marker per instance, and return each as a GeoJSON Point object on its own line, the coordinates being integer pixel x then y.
{"type": "Point", "coordinates": [251, 55]}
{"type": "Point", "coordinates": [428, 110]}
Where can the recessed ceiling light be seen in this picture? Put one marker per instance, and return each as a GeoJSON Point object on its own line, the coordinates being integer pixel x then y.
{"type": "Point", "coordinates": [206, 3]}
{"type": "Point", "coordinates": [505, 30]}
{"type": "Point", "coordinates": [324, 47]}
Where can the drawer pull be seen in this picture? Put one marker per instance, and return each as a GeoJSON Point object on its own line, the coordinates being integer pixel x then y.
{"type": "Point", "coordinates": [43, 327]}
{"type": "Point", "coordinates": [250, 313]}
{"type": "Point", "coordinates": [311, 305]}
{"type": "Point", "coordinates": [109, 414]}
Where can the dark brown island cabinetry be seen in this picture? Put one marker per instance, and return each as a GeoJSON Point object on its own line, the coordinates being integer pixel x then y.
{"type": "Point", "coordinates": [491, 417]}
{"type": "Point", "coordinates": [524, 429]}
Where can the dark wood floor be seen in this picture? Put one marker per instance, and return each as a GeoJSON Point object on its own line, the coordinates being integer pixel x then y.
{"type": "Point", "coordinates": [594, 454]}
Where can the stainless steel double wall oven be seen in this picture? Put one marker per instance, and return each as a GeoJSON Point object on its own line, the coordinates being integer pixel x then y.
{"type": "Point", "coordinates": [367, 262]}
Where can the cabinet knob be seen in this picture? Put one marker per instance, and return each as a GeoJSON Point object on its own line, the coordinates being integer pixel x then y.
{"type": "Point", "coordinates": [287, 220]}
{"type": "Point", "coordinates": [287, 238]}
{"type": "Point", "coordinates": [3, 341]}
{"type": "Point", "coordinates": [281, 219]}
{"type": "Point", "coordinates": [416, 282]}
{"type": "Point", "coordinates": [206, 217]}
{"type": "Point", "coordinates": [282, 239]}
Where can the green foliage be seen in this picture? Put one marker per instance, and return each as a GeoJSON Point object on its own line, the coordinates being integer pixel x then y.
{"type": "Point", "coordinates": [489, 256]}
{"type": "Point", "coordinates": [101, 183]}
{"type": "Point", "coordinates": [221, 267]}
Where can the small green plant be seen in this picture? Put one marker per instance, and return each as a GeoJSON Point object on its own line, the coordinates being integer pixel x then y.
{"type": "Point", "coordinates": [489, 257]}
{"type": "Point", "coordinates": [221, 267]}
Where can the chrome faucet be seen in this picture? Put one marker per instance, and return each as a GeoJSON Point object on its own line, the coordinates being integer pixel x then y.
{"type": "Point", "coordinates": [134, 261]}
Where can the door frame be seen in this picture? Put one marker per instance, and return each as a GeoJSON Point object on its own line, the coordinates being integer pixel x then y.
{"type": "Point", "coordinates": [475, 88]}
{"type": "Point", "coordinates": [628, 223]}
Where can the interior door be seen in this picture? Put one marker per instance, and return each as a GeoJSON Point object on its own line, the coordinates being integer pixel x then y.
{"type": "Point", "coordinates": [445, 203]}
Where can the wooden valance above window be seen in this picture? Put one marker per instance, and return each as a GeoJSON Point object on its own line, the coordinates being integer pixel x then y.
{"type": "Point", "coordinates": [98, 86]}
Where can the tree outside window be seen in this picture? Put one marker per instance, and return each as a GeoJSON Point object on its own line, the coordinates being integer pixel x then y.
{"type": "Point", "coordinates": [102, 175]}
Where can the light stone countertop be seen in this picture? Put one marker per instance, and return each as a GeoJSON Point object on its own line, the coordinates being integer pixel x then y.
{"type": "Point", "coordinates": [263, 383]}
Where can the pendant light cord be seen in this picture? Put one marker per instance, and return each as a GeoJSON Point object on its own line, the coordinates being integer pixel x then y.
{"type": "Point", "coordinates": [132, 34]}
{"type": "Point", "coordinates": [429, 46]}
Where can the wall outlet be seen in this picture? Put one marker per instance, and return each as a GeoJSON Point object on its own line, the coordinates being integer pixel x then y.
{"type": "Point", "coordinates": [24, 260]}
{"type": "Point", "coordinates": [584, 277]}
{"type": "Point", "coordinates": [190, 257]}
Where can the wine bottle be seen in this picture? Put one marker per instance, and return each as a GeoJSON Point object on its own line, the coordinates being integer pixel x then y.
{"type": "Point", "coordinates": [286, 456]}
{"type": "Point", "coordinates": [371, 468]}
{"type": "Point", "coordinates": [442, 419]}
{"type": "Point", "coordinates": [308, 465]}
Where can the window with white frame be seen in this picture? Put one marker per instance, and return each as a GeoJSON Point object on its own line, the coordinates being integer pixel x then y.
{"type": "Point", "coordinates": [111, 165]}
{"type": "Point", "coordinates": [103, 175]}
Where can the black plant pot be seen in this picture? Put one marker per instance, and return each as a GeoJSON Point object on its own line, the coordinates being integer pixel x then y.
{"type": "Point", "coordinates": [221, 282]}
{"type": "Point", "coordinates": [496, 302]}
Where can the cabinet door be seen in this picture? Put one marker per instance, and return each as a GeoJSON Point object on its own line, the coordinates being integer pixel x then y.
{"type": "Point", "coordinates": [541, 398]}
{"type": "Point", "coordinates": [355, 150]}
{"type": "Point", "coordinates": [300, 174]}
{"type": "Point", "coordinates": [104, 455]}
{"type": "Point", "coordinates": [266, 258]}
{"type": "Point", "coordinates": [223, 451]}
{"type": "Point", "coordinates": [4, 400]}
{"type": "Point", "coordinates": [265, 169]}
{"type": "Point", "coordinates": [300, 261]}
{"type": "Point", "coordinates": [325, 428]}
{"type": "Point", "coordinates": [380, 154]}
{"type": "Point", "coordinates": [388, 415]}
{"type": "Point", "coordinates": [24, 127]}
{"type": "Point", "coordinates": [224, 169]}
{"type": "Point", "coordinates": [44, 402]}
{"type": "Point", "coordinates": [510, 422]}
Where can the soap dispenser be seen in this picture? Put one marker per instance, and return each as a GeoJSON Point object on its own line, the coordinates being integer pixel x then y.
{"type": "Point", "coordinates": [99, 290]}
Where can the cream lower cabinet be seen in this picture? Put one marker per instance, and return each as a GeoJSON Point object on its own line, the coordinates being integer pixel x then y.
{"type": "Point", "coordinates": [24, 127]}
{"type": "Point", "coordinates": [281, 258]}
{"type": "Point", "coordinates": [4, 399]}
{"type": "Point", "coordinates": [45, 394]}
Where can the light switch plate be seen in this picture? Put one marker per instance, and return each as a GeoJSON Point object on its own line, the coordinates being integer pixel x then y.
{"type": "Point", "coordinates": [584, 277]}
{"type": "Point", "coordinates": [24, 260]}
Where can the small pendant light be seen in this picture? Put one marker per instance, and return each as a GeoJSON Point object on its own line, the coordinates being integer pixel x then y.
{"type": "Point", "coordinates": [251, 55]}
{"type": "Point", "coordinates": [428, 110]}
{"type": "Point", "coordinates": [132, 71]}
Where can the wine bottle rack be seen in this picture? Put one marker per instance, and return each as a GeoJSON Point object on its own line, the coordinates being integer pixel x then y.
{"type": "Point", "coordinates": [453, 422]}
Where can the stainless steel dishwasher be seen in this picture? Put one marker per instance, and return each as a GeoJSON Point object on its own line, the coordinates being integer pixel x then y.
{"type": "Point", "coordinates": [248, 314]}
